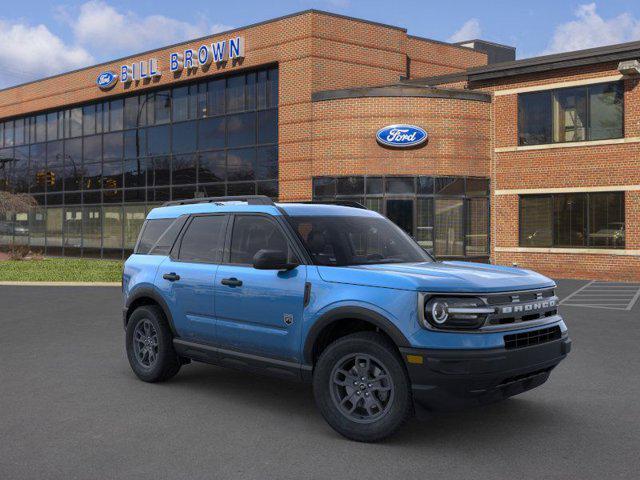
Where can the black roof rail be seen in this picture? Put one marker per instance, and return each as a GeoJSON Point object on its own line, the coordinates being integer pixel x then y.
{"type": "Point", "coordinates": [342, 203]}
{"type": "Point", "coordinates": [250, 199]}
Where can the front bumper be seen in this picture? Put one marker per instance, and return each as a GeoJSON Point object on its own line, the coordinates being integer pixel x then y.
{"type": "Point", "coordinates": [451, 379]}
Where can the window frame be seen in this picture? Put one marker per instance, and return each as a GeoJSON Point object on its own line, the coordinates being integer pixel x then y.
{"type": "Point", "coordinates": [285, 227]}
{"type": "Point", "coordinates": [587, 223]}
{"type": "Point", "coordinates": [552, 92]}
{"type": "Point", "coordinates": [174, 254]}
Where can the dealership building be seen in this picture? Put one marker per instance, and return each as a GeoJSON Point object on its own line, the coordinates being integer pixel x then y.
{"type": "Point", "coordinates": [532, 162]}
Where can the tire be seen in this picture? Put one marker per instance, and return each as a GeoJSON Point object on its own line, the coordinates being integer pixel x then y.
{"type": "Point", "coordinates": [160, 361]}
{"type": "Point", "coordinates": [383, 405]}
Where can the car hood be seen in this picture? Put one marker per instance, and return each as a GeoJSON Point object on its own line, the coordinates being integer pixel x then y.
{"type": "Point", "coordinates": [438, 277]}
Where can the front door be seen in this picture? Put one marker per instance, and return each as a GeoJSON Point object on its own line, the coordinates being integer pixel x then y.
{"type": "Point", "coordinates": [187, 279]}
{"type": "Point", "coordinates": [400, 212]}
{"type": "Point", "coordinates": [259, 311]}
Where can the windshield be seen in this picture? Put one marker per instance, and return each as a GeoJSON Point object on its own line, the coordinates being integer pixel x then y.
{"type": "Point", "coordinates": [341, 241]}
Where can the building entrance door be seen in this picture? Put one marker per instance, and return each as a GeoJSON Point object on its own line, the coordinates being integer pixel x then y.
{"type": "Point", "coordinates": [400, 212]}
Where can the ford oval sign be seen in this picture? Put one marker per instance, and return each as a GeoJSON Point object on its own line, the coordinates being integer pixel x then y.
{"type": "Point", "coordinates": [401, 136]}
{"type": "Point", "coordinates": [106, 80]}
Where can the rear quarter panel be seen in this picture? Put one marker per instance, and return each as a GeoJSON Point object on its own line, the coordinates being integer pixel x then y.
{"type": "Point", "coordinates": [139, 272]}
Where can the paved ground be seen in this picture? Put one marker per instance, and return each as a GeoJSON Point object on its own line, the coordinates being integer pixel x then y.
{"type": "Point", "coordinates": [70, 408]}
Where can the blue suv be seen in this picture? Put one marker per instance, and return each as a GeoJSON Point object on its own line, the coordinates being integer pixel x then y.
{"type": "Point", "coordinates": [338, 296]}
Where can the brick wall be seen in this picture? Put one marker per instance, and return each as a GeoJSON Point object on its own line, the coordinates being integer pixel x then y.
{"type": "Point", "coordinates": [564, 167]}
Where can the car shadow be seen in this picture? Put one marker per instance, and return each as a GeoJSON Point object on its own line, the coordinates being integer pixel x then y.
{"type": "Point", "coordinates": [293, 401]}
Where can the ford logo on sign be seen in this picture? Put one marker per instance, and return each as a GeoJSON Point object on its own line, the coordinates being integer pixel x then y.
{"type": "Point", "coordinates": [106, 80]}
{"type": "Point", "coordinates": [401, 136]}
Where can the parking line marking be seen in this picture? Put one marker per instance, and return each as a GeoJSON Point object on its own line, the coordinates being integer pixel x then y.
{"type": "Point", "coordinates": [593, 306]}
{"type": "Point", "coordinates": [577, 291]}
{"type": "Point", "coordinates": [634, 300]}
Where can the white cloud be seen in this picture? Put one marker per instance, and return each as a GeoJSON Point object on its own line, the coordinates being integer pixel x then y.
{"type": "Point", "coordinates": [107, 31]}
{"type": "Point", "coordinates": [469, 31]}
{"type": "Point", "coordinates": [29, 52]}
{"type": "Point", "coordinates": [591, 30]}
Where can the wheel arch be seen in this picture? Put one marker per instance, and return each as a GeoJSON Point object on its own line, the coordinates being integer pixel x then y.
{"type": "Point", "coordinates": [329, 320]}
{"type": "Point", "coordinates": [148, 296]}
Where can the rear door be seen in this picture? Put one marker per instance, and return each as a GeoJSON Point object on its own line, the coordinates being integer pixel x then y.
{"type": "Point", "coordinates": [187, 277]}
{"type": "Point", "coordinates": [259, 311]}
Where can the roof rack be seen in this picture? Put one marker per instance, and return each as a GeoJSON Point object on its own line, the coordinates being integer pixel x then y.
{"type": "Point", "coordinates": [342, 203]}
{"type": "Point", "coordinates": [250, 199]}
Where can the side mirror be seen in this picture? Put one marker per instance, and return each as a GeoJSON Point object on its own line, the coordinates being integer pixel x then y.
{"type": "Point", "coordinates": [272, 260]}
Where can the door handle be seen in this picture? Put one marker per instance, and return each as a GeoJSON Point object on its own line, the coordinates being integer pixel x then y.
{"type": "Point", "coordinates": [172, 277]}
{"type": "Point", "coordinates": [231, 282]}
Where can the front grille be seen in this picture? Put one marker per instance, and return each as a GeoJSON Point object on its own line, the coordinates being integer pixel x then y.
{"type": "Point", "coordinates": [520, 307]}
{"type": "Point", "coordinates": [534, 337]}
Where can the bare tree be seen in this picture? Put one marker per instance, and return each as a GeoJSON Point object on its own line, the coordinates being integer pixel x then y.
{"type": "Point", "coordinates": [16, 202]}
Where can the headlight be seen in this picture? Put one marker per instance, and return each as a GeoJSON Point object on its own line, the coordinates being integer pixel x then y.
{"type": "Point", "coordinates": [455, 313]}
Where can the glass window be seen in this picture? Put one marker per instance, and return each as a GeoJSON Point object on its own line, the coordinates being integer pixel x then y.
{"type": "Point", "coordinates": [570, 115]}
{"type": "Point", "coordinates": [75, 122]}
{"type": "Point", "coordinates": [19, 132]}
{"type": "Point", "coordinates": [92, 148]}
{"type": "Point", "coordinates": [241, 129]}
{"type": "Point", "coordinates": [116, 115]}
{"type": "Point", "coordinates": [215, 97]}
{"type": "Point", "coordinates": [241, 164]}
{"type": "Point", "coordinates": [135, 143]}
{"type": "Point", "coordinates": [243, 188]}
{"type": "Point", "coordinates": [424, 226]}
{"type": "Point", "coordinates": [21, 169]}
{"type": "Point", "coordinates": [211, 133]}
{"type": "Point", "coordinates": [37, 226]}
{"type": "Point", "coordinates": [252, 233]}
{"type": "Point", "coordinates": [112, 175]}
{"type": "Point", "coordinates": [134, 173]}
{"type": "Point", "coordinates": [477, 187]}
{"type": "Point", "coordinates": [606, 220]}
{"type": "Point", "coordinates": [270, 189]}
{"type": "Point", "coordinates": [134, 216]}
{"type": "Point", "coordinates": [203, 240]}
{"type": "Point", "coordinates": [54, 230]}
{"type": "Point", "coordinates": [570, 217]}
{"type": "Point", "coordinates": [162, 106]}
{"type": "Point", "coordinates": [534, 118]}
{"type": "Point", "coordinates": [606, 111]}
{"type": "Point", "coordinates": [112, 228]}
{"type": "Point", "coordinates": [536, 221]}
{"type": "Point", "coordinates": [91, 229]}
{"type": "Point", "coordinates": [250, 89]}
{"type": "Point", "coordinates": [273, 88]}
{"type": "Point", "coordinates": [324, 187]}
{"type": "Point", "coordinates": [112, 146]}
{"type": "Point", "coordinates": [167, 239]}
{"type": "Point", "coordinates": [400, 185]}
{"type": "Point", "coordinates": [160, 171]}
{"type": "Point", "coordinates": [184, 169]}
{"type": "Point", "coordinates": [41, 128]}
{"type": "Point", "coordinates": [55, 167]}
{"type": "Point", "coordinates": [261, 89]}
{"type": "Point", "coordinates": [101, 111]}
{"type": "Point", "coordinates": [374, 185]}
{"type": "Point", "coordinates": [72, 229]}
{"type": "Point", "coordinates": [158, 140]}
{"type": "Point", "coordinates": [183, 137]}
{"type": "Point", "coordinates": [268, 126]}
{"type": "Point", "coordinates": [235, 93]}
{"type": "Point", "coordinates": [89, 124]}
{"type": "Point", "coordinates": [8, 134]}
{"type": "Point", "coordinates": [425, 185]}
{"type": "Point", "coordinates": [449, 186]}
{"type": "Point", "coordinates": [449, 227]}
{"type": "Point", "coordinates": [212, 167]}
{"type": "Point", "coordinates": [131, 112]}
{"type": "Point", "coordinates": [73, 164]}
{"type": "Point", "coordinates": [37, 168]}
{"type": "Point", "coordinates": [180, 104]}
{"type": "Point", "coordinates": [477, 226]}
{"type": "Point", "coordinates": [350, 186]}
{"type": "Point", "coordinates": [575, 114]}
{"type": "Point", "coordinates": [267, 163]}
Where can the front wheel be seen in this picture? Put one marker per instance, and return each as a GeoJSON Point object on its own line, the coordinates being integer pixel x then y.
{"type": "Point", "coordinates": [150, 345]}
{"type": "Point", "coordinates": [362, 388]}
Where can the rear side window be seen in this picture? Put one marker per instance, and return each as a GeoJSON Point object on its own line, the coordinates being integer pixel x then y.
{"type": "Point", "coordinates": [168, 238]}
{"type": "Point", "coordinates": [204, 239]}
{"type": "Point", "coordinates": [151, 232]}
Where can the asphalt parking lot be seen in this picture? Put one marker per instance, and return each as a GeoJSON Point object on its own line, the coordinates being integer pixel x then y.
{"type": "Point", "coordinates": [70, 408]}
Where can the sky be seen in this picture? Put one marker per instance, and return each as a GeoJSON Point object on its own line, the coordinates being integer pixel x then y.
{"type": "Point", "coordinates": [39, 38]}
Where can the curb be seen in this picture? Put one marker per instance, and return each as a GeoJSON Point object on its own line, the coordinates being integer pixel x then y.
{"type": "Point", "coordinates": [61, 284]}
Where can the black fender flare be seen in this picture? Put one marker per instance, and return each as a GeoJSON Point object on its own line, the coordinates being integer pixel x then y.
{"type": "Point", "coordinates": [358, 313]}
{"type": "Point", "coordinates": [148, 292]}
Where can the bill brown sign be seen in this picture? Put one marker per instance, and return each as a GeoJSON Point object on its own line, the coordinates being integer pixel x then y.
{"type": "Point", "coordinates": [189, 59]}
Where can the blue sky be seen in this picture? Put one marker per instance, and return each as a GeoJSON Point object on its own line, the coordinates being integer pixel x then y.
{"type": "Point", "coordinates": [43, 37]}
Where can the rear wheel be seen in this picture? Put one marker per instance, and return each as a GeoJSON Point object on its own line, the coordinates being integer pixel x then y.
{"type": "Point", "coordinates": [150, 345]}
{"type": "Point", "coordinates": [362, 388]}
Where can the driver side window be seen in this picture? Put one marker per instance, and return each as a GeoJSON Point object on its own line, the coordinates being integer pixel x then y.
{"type": "Point", "coordinates": [252, 233]}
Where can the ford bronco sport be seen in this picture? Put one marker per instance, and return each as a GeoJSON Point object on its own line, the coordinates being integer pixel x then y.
{"type": "Point", "coordinates": [337, 296]}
